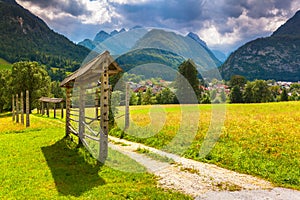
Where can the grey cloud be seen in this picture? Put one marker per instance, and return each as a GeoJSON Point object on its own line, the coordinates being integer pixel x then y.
{"type": "Point", "coordinates": [73, 7]}
{"type": "Point", "coordinates": [174, 12]}
{"type": "Point", "coordinates": [257, 9]}
{"type": "Point", "coordinates": [188, 15]}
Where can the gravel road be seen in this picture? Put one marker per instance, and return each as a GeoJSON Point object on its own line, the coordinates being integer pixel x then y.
{"type": "Point", "coordinates": [201, 180]}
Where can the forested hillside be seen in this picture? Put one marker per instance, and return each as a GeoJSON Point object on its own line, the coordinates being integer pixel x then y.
{"type": "Point", "coordinates": [24, 36]}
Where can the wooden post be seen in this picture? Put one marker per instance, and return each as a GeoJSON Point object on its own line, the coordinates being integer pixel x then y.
{"type": "Point", "coordinates": [127, 99]}
{"type": "Point", "coordinates": [47, 105]}
{"type": "Point", "coordinates": [62, 109]}
{"type": "Point", "coordinates": [68, 110]}
{"type": "Point", "coordinates": [17, 108]}
{"type": "Point", "coordinates": [43, 109]}
{"type": "Point", "coordinates": [81, 113]}
{"type": "Point", "coordinates": [97, 103]}
{"type": "Point", "coordinates": [104, 109]}
{"type": "Point", "coordinates": [13, 108]}
{"type": "Point", "coordinates": [54, 109]}
{"type": "Point", "coordinates": [22, 108]}
{"type": "Point", "coordinates": [27, 109]}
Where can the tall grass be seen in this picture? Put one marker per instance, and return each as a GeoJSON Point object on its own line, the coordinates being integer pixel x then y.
{"type": "Point", "coordinates": [258, 139]}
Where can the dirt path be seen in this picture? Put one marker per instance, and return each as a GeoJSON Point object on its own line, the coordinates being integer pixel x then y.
{"type": "Point", "coordinates": [202, 180]}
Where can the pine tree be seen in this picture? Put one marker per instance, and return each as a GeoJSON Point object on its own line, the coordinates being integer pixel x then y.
{"type": "Point", "coordinates": [187, 83]}
{"type": "Point", "coordinates": [236, 95]}
{"type": "Point", "coordinates": [284, 95]}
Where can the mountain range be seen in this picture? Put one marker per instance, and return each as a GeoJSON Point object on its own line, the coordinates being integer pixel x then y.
{"type": "Point", "coordinates": [132, 43]}
{"type": "Point", "coordinates": [24, 36]}
{"type": "Point", "coordinates": [276, 57]}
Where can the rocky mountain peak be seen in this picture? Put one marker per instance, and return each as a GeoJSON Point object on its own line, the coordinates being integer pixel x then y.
{"type": "Point", "coordinates": [195, 37]}
{"type": "Point", "coordinates": [291, 27]}
{"type": "Point", "coordinates": [101, 36]}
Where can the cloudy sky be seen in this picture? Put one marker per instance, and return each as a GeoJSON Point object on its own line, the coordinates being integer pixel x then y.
{"type": "Point", "coordinates": [223, 24]}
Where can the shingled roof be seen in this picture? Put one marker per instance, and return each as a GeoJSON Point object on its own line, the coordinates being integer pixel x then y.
{"type": "Point", "coordinates": [92, 69]}
{"type": "Point", "coordinates": [51, 100]}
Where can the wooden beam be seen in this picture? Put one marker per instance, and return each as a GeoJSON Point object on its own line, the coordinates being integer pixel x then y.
{"type": "Point", "coordinates": [17, 108]}
{"type": "Point", "coordinates": [62, 110]}
{"type": "Point", "coordinates": [104, 111]}
{"type": "Point", "coordinates": [54, 109]}
{"type": "Point", "coordinates": [22, 108]}
{"type": "Point", "coordinates": [43, 109]}
{"type": "Point", "coordinates": [97, 103]}
{"type": "Point", "coordinates": [27, 109]}
{"type": "Point", "coordinates": [47, 105]}
{"type": "Point", "coordinates": [13, 108]}
{"type": "Point", "coordinates": [81, 113]}
{"type": "Point", "coordinates": [127, 99]}
{"type": "Point", "coordinates": [68, 110]}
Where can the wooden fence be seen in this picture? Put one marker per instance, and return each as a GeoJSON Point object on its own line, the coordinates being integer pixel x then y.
{"type": "Point", "coordinates": [18, 108]}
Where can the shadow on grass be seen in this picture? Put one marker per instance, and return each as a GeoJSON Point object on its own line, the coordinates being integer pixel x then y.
{"type": "Point", "coordinates": [73, 169]}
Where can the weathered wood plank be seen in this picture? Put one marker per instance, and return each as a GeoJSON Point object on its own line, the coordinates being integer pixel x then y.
{"type": "Point", "coordinates": [22, 107]}
{"type": "Point", "coordinates": [27, 109]}
{"type": "Point", "coordinates": [17, 108]}
{"type": "Point", "coordinates": [104, 109]}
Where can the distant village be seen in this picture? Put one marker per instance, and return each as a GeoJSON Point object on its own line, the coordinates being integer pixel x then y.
{"type": "Point", "coordinates": [217, 91]}
{"type": "Point", "coordinates": [217, 85]}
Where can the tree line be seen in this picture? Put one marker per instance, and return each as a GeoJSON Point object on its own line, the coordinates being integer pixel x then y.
{"type": "Point", "coordinates": [187, 88]}
{"type": "Point", "coordinates": [30, 76]}
{"type": "Point", "coordinates": [260, 91]}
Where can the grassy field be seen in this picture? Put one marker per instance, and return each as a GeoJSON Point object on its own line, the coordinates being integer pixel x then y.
{"type": "Point", "coordinates": [4, 64]}
{"type": "Point", "coordinates": [39, 163]}
{"type": "Point", "coordinates": [258, 139]}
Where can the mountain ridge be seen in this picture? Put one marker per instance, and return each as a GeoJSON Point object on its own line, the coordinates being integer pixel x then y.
{"type": "Point", "coordinates": [275, 57]}
{"type": "Point", "coordinates": [24, 36]}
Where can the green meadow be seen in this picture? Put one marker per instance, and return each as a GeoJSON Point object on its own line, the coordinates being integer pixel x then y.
{"type": "Point", "coordinates": [39, 163]}
{"type": "Point", "coordinates": [257, 139]}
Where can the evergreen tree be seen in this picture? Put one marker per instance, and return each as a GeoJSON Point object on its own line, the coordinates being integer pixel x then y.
{"type": "Point", "coordinates": [236, 95]}
{"type": "Point", "coordinates": [187, 83]}
{"type": "Point", "coordinates": [284, 95]}
{"type": "Point", "coordinates": [248, 93]}
{"type": "Point", "coordinates": [237, 80]}
{"type": "Point", "coordinates": [261, 92]}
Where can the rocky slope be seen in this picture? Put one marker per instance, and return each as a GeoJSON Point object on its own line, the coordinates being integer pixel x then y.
{"type": "Point", "coordinates": [275, 57]}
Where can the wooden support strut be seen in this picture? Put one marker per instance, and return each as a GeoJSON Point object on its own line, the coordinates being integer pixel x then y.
{"type": "Point", "coordinates": [54, 110]}
{"type": "Point", "coordinates": [47, 109]}
{"type": "Point", "coordinates": [27, 109]}
{"type": "Point", "coordinates": [13, 108]}
{"type": "Point", "coordinates": [127, 99]}
{"type": "Point", "coordinates": [68, 110]}
{"type": "Point", "coordinates": [62, 109]}
{"type": "Point", "coordinates": [81, 113]}
{"type": "Point", "coordinates": [104, 111]}
{"type": "Point", "coordinates": [97, 103]}
{"type": "Point", "coordinates": [17, 108]}
{"type": "Point", "coordinates": [22, 108]}
{"type": "Point", "coordinates": [43, 110]}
